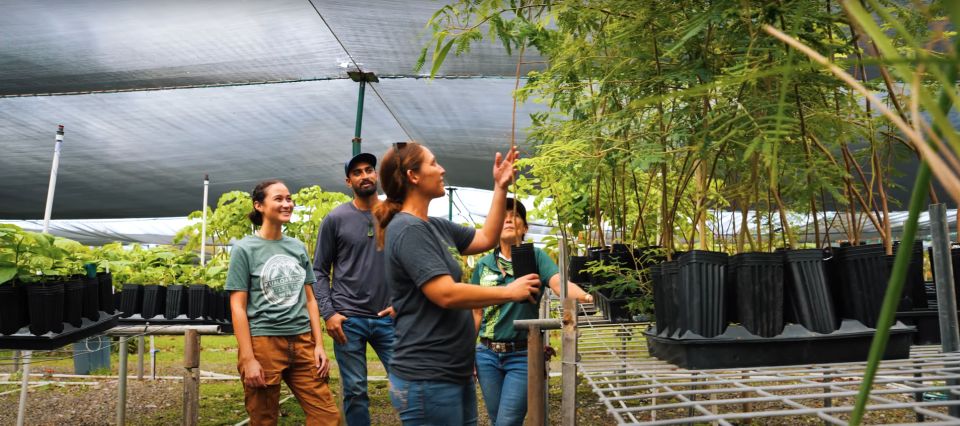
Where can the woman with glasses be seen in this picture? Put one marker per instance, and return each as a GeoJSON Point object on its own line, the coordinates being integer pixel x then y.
{"type": "Point", "coordinates": [431, 374]}
{"type": "Point", "coordinates": [275, 317]}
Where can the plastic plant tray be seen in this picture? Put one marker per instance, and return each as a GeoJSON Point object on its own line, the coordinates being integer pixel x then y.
{"type": "Point", "coordinates": [737, 347]}
{"type": "Point", "coordinates": [24, 340]}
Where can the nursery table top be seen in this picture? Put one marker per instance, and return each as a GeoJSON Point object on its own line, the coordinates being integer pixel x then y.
{"type": "Point", "coordinates": [638, 388]}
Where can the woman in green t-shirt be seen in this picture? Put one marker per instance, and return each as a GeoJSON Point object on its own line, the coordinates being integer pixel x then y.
{"type": "Point", "coordinates": [502, 352]}
{"type": "Point", "coordinates": [275, 316]}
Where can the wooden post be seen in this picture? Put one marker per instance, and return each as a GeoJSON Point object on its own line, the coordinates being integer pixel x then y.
{"type": "Point", "coordinates": [191, 378]}
{"type": "Point", "coordinates": [568, 369]}
{"type": "Point", "coordinates": [535, 385]}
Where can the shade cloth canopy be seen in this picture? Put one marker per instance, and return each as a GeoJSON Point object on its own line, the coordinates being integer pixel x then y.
{"type": "Point", "coordinates": [153, 95]}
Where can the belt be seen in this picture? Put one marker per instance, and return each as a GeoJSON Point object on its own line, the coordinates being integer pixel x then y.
{"type": "Point", "coordinates": [504, 347]}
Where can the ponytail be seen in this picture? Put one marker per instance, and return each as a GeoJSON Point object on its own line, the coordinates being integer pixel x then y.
{"type": "Point", "coordinates": [393, 179]}
{"type": "Point", "coordinates": [383, 213]}
{"type": "Point", "coordinates": [256, 217]}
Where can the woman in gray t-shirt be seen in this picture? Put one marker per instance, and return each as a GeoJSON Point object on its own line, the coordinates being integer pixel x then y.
{"type": "Point", "coordinates": [432, 365]}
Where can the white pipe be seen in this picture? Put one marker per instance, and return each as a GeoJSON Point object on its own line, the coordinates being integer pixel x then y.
{"type": "Point", "coordinates": [203, 226]}
{"type": "Point", "coordinates": [52, 187]}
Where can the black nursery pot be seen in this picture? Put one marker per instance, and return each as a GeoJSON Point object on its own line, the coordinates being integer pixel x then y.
{"type": "Point", "coordinates": [862, 280]}
{"type": "Point", "coordinates": [918, 295]}
{"type": "Point", "coordinates": [759, 281]}
{"type": "Point", "coordinates": [105, 282]}
{"type": "Point", "coordinates": [577, 270]}
{"type": "Point", "coordinates": [176, 301]}
{"type": "Point", "coordinates": [524, 260]}
{"type": "Point", "coordinates": [197, 301]}
{"type": "Point", "coordinates": [13, 308]}
{"type": "Point", "coordinates": [661, 301]}
{"type": "Point", "coordinates": [214, 307]}
{"type": "Point", "coordinates": [154, 301]}
{"type": "Point", "coordinates": [670, 274]}
{"type": "Point", "coordinates": [73, 302]}
{"type": "Point", "coordinates": [225, 300]}
{"type": "Point", "coordinates": [45, 304]}
{"type": "Point", "coordinates": [91, 299]}
{"type": "Point", "coordinates": [701, 289]}
{"type": "Point", "coordinates": [806, 289]}
{"type": "Point", "coordinates": [131, 300]}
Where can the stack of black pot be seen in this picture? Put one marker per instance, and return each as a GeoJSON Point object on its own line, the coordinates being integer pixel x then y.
{"type": "Point", "coordinates": [715, 311]}
{"type": "Point", "coordinates": [49, 306]}
{"type": "Point", "coordinates": [188, 304]}
{"type": "Point", "coordinates": [614, 290]}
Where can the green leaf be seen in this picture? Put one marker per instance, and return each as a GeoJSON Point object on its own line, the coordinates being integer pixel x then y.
{"type": "Point", "coordinates": [439, 56]}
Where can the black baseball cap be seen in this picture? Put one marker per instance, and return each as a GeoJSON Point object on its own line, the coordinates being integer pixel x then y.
{"type": "Point", "coordinates": [521, 210]}
{"type": "Point", "coordinates": [361, 157]}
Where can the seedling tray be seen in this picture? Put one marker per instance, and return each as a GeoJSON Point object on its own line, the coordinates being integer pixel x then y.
{"type": "Point", "coordinates": [26, 341]}
{"type": "Point", "coordinates": [737, 347]}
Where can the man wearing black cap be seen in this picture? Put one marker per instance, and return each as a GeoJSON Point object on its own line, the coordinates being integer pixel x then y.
{"type": "Point", "coordinates": [350, 290]}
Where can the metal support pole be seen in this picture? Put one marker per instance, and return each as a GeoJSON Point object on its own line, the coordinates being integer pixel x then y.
{"type": "Point", "coordinates": [203, 225]}
{"type": "Point", "coordinates": [363, 78]}
{"type": "Point", "coordinates": [450, 190]}
{"type": "Point", "coordinates": [536, 415]}
{"type": "Point", "coordinates": [153, 359]}
{"type": "Point", "coordinates": [946, 298]}
{"type": "Point", "coordinates": [545, 336]}
{"type": "Point", "coordinates": [568, 358]}
{"type": "Point", "coordinates": [568, 369]}
{"type": "Point", "coordinates": [140, 347]}
{"type": "Point", "coordinates": [191, 378]}
{"type": "Point", "coordinates": [22, 410]}
{"type": "Point", "coordinates": [359, 125]}
{"type": "Point", "coordinates": [122, 383]}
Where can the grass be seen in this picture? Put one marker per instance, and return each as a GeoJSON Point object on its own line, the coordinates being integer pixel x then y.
{"type": "Point", "coordinates": [221, 402]}
{"type": "Point", "coordinates": [217, 354]}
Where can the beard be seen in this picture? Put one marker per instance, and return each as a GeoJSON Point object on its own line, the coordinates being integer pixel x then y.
{"type": "Point", "coordinates": [362, 191]}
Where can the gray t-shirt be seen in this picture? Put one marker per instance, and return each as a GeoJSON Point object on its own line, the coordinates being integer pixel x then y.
{"type": "Point", "coordinates": [273, 272]}
{"type": "Point", "coordinates": [433, 343]}
{"type": "Point", "coordinates": [346, 243]}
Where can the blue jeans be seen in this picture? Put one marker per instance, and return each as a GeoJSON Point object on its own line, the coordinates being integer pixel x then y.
{"type": "Point", "coordinates": [434, 403]}
{"type": "Point", "coordinates": [352, 361]}
{"type": "Point", "coordinates": [503, 382]}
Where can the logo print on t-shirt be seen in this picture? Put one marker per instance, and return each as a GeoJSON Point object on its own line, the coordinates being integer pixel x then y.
{"type": "Point", "coordinates": [282, 280]}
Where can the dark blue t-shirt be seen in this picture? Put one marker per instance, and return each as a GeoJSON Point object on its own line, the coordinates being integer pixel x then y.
{"type": "Point", "coordinates": [433, 343]}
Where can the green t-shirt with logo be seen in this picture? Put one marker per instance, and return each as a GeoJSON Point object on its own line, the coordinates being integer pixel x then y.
{"type": "Point", "coordinates": [494, 270]}
{"type": "Point", "coordinates": [274, 273]}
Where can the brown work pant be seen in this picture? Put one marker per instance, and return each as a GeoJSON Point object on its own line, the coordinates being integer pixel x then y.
{"type": "Point", "coordinates": [289, 358]}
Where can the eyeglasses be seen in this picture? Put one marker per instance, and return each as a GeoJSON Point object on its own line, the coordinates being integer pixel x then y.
{"type": "Point", "coordinates": [397, 146]}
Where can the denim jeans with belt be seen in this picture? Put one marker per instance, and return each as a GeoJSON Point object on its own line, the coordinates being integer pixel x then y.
{"type": "Point", "coordinates": [352, 362]}
{"type": "Point", "coordinates": [433, 402]}
{"type": "Point", "coordinates": [503, 382]}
